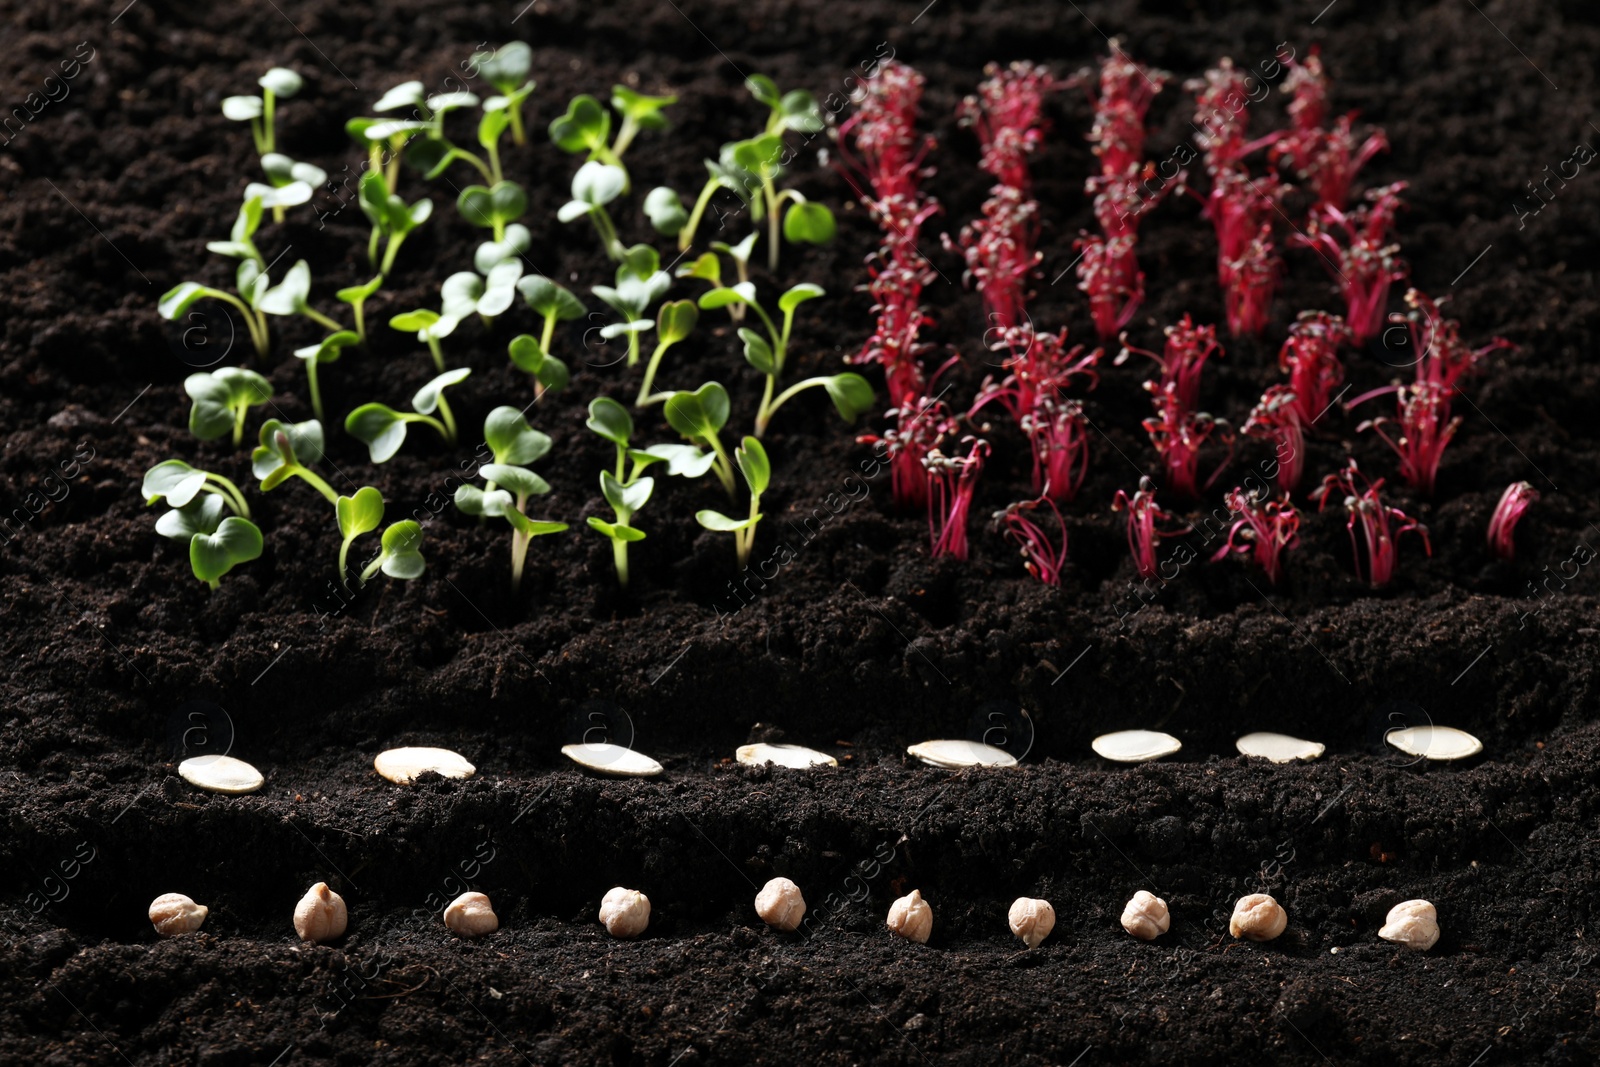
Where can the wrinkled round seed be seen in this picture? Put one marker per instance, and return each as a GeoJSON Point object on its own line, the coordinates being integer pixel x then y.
{"type": "Point", "coordinates": [1434, 742]}
{"type": "Point", "coordinates": [781, 905]}
{"type": "Point", "coordinates": [1146, 916]}
{"type": "Point", "coordinates": [612, 759]}
{"type": "Point", "coordinates": [626, 912]}
{"type": "Point", "coordinates": [1258, 917]}
{"type": "Point", "coordinates": [405, 765]}
{"type": "Point", "coordinates": [1278, 748]}
{"type": "Point", "coordinates": [1031, 919]}
{"type": "Point", "coordinates": [320, 915]}
{"type": "Point", "coordinates": [173, 914]}
{"type": "Point", "coordinates": [1412, 923]}
{"type": "Point", "coordinates": [911, 918]}
{"type": "Point", "coordinates": [470, 915]}
{"type": "Point", "coordinates": [795, 757]}
{"type": "Point", "coordinates": [1136, 746]}
{"type": "Point", "coordinates": [956, 755]}
{"type": "Point", "coordinates": [221, 774]}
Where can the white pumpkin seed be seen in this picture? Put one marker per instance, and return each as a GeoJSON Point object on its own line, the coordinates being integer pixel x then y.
{"type": "Point", "coordinates": [221, 774]}
{"type": "Point", "coordinates": [1136, 746]}
{"type": "Point", "coordinates": [796, 757]}
{"type": "Point", "coordinates": [612, 759]}
{"type": "Point", "coordinates": [405, 765]}
{"type": "Point", "coordinates": [1434, 742]}
{"type": "Point", "coordinates": [956, 755]}
{"type": "Point", "coordinates": [1279, 748]}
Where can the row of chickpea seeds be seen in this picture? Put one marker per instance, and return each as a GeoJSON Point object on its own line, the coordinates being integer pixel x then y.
{"type": "Point", "coordinates": [321, 915]}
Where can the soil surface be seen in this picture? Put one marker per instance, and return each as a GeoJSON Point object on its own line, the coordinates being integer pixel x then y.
{"type": "Point", "coordinates": [121, 663]}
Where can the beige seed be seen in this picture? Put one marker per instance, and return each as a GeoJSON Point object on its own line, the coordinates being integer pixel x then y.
{"type": "Point", "coordinates": [626, 912]}
{"type": "Point", "coordinates": [781, 905]}
{"type": "Point", "coordinates": [1412, 923]}
{"type": "Point", "coordinates": [321, 914]}
{"type": "Point", "coordinates": [911, 918]}
{"type": "Point", "coordinates": [1258, 917]}
{"type": "Point", "coordinates": [1146, 916]}
{"type": "Point", "coordinates": [1031, 919]}
{"type": "Point", "coordinates": [470, 915]}
{"type": "Point", "coordinates": [173, 914]}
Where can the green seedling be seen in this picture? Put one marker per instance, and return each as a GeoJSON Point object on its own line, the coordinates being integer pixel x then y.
{"type": "Point", "coordinates": [222, 400]}
{"type": "Point", "coordinates": [513, 246]}
{"type": "Point", "coordinates": [430, 328]}
{"type": "Point", "coordinates": [549, 373]}
{"type": "Point", "coordinates": [674, 322]}
{"type": "Point", "coordinates": [757, 471]}
{"type": "Point", "coordinates": [700, 417]}
{"type": "Point", "coordinates": [250, 277]}
{"type": "Point", "coordinates": [640, 283]}
{"type": "Point", "coordinates": [356, 296]}
{"type": "Point", "coordinates": [279, 83]}
{"type": "Point", "coordinates": [181, 485]}
{"type": "Point", "coordinates": [215, 553]}
{"type": "Point", "coordinates": [357, 515]}
{"type": "Point", "coordinates": [283, 453]}
{"type": "Point", "coordinates": [383, 429]}
{"type": "Point", "coordinates": [553, 303]}
{"type": "Point", "coordinates": [288, 297]}
{"type": "Point", "coordinates": [289, 183]}
{"type": "Point", "coordinates": [400, 555]}
{"type": "Point", "coordinates": [850, 392]}
{"type": "Point", "coordinates": [593, 187]}
{"type": "Point", "coordinates": [665, 211]}
{"type": "Point", "coordinates": [327, 350]}
{"type": "Point", "coordinates": [466, 293]}
{"type": "Point", "coordinates": [586, 127]}
{"type": "Point", "coordinates": [493, 207]}
{"type": "Point", "coordinates": [708, 267]}
{"type": "Point", "coordinates": [392, 220]}
{"type": "Point", "coordinates": [507, 69]}
{"type": "Point", "coordinates": [386, 139]}
{"type": "Point", "coordinates": [795, 110]}
{"type": "Point", "coordinates": [510, 484]}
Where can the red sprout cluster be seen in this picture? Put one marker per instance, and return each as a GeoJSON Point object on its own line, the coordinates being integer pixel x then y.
{"type": "Point", "coordinates": [888, 156]}
{"type": "Point", "coordinates": [999, 248]}
{"type": "Point", "coordinates": [920, 424]}
{"type": "Point", "coordinates": [951, 481]}
{"type": "Point", "coordinates": [1182, 359]}
{"type": "Point", "coordinates": [1241, 208]}
{"type": "Point", "coordinates": [1366, 261]}
{"type": "Point", "coordinates": [1042, 557]}
{"type": "Point", "coordinates": [1039, 369]}
{"type": "Point", "coordinates": [1310, 356]}
{"type": "Point", "coordinates": [1425, 425]}
{"type": "Point", "coordinates": [1144, 531]}
{"type": "Point", "coordinates": [1325, 160]}
{"type": "Point", "coordinates": [1108, 268]}
{"type": "Point", "coordinates": [1514, 502]}
{"type": "Point", "coordinates": [1263, 531]}
{"type": "Point", "coordinates": [1375, 548]}
{"type": "Point", "coordinates": [1179, 434]}
{"type": "Point", "coordinates": [1276, 418]}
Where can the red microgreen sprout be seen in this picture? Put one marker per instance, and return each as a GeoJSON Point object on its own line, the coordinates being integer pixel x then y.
{"type": "Point", "coordinates": [1109, 272]}
{"type": "Point", "coordinates": [951, 482]}
{"type": "Point", "coordinates": [1241, 211]}
{"type": "Point", "coordinates": [1179, 434]}
{"type": "Point", "coordinates": [1310, 356]}
{"type": "Point", "coordinates": [1126, 90]}
{"type": "Point", "coordinates": [1442, 357]}
{"type": "Point", "coordinates": [1276, 418]}
{"type": "Point", "coordinates": [1041, 556]}
{"type": "Point", "coordinates": [1000, 255]}
{"type": "Point", "coordinates": [1263, 530]}
{"type": "Point", "coordinates": [1374, 550]}
{"type": "Point", "coordinates": [757, 471]}
{"type": "Point", "coordinates": [1366, 263]}
{"type": "Point", "coordinates": [1325, 160]}
{"type": "Point", "coordinates": [1144, 531]}
{"type": "Point", "coordinates": [1426, 427]}
{"type": "Point", "coordinates": [1514, 503]}
{"type": "Point", "coordinates": [920, 424]}
{"type": "Point", "coordinates": [1182, 360]}
{"type": "Point", "coordinates": [1058, 434]}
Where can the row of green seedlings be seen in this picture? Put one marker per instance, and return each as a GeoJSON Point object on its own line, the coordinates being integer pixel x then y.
{"type": "Point", "coordinates": [222, 399]}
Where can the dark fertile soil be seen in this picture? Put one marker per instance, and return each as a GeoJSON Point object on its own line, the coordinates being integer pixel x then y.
{"type": "Point", "coordinates": [860, 646]}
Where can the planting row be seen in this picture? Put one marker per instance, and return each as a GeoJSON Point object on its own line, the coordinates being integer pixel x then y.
{"type": "Point", "coordinates": [936, 454]}
{"type": "Point", "coordinates": [322, 915]}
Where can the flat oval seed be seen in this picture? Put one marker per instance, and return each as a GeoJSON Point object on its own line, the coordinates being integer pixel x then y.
{"type": "Point", "coordinates": [795, 757]}
{"type": "Point", "coordinates": [1434, 742]}
{"type": "Point", "coordinates": [612, 759]}
{"type": "Point", "coordinates": [1136, 746]}
{"type": "Point", "coordinates": [405, 765]}
{"type": "Point", "coordinates": [956, 755]}
{"type": "Point", "coordinates": [220, 774]}
{"type": "Point", "coordinates": [1278, 748]}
